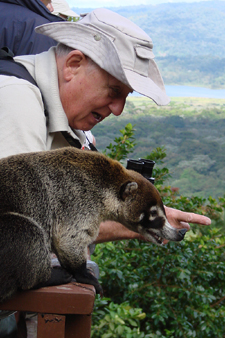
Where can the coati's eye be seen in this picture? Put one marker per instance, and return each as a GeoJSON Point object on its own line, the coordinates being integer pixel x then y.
{"type": "Point", "coordinates": [153, 213]}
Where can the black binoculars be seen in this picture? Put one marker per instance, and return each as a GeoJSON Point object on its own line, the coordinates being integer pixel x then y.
{"type": "Point", "coordinates": [142, 166]}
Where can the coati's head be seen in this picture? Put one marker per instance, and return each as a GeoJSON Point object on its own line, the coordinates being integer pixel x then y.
{"type": "Point", "coordinates": [142, 211]}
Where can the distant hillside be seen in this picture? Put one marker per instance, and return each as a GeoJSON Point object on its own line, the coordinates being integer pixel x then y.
{"type": "Point", "coordinates": [191, 130]}
{"type": "Point", "coordinates": [188, 38]}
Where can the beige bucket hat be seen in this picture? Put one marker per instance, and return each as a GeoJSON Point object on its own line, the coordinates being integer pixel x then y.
{"type": "Point", "coordinates": [117, 45]}
{"type": "Point", "coordinates": [62, 7]}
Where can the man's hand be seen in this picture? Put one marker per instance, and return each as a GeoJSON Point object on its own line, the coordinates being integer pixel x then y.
{"type": "Point", "coordinates": [181, 219]}
{"type": "Point", "coordinates": [113, 231]}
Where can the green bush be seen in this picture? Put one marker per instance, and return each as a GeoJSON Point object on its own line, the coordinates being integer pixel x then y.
{"type": "Point", "coordinates": [180, 287]}
{"type": "Point", "coordinates": [116, 320]}
{"type": "Point", "coordinates": [172, 291]}
{"type": "Point", "coordinates": [123, 145]}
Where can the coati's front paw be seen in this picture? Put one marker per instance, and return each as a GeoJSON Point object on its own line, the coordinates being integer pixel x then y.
{"type": "Point", "coordinates": [95, 283]}
{"type": "Point", "coordinates": [83, 275]}
{"type": "Point", "coordinates": [58, 276]}
{"type": "Point", "coordinates": [90, 279]}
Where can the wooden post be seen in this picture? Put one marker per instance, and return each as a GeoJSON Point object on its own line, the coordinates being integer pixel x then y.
{"type": "Point", "coordinates": [51, 326]}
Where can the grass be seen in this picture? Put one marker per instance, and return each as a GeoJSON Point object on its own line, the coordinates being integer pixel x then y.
{"type": "Point", "coordinates": [179, 106]}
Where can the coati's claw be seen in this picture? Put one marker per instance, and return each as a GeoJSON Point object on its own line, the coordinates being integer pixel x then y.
{"type": "Point", "coordinates": [83, 275]}
{"type": "Point", "coordinates": [98, 289]}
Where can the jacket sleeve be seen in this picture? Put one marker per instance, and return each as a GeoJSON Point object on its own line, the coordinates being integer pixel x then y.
{"type": "Point", "coordinates": [30, 41]}
{"type": "Point", "coordinates": [17, 27]}
{"type": "Point", "coordinates": [22, 119]}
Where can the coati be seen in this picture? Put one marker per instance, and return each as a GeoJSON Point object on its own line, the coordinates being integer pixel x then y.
{"type": "Point", "coordinates": [54, 201]}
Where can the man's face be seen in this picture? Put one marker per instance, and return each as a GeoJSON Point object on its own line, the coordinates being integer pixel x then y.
{"type": "Point", "coordinates": [91, 95]}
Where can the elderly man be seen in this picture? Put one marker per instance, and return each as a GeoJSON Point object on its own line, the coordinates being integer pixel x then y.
{"type": "Point", "coordinates": [99, 60]}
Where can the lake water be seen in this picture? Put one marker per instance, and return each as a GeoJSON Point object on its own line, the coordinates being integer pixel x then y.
{"type": "Point", "coordinates": [187, 91]}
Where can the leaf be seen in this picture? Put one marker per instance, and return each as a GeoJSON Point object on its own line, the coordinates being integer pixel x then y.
{"type": "Point", "coordinates": [112, 326]}
{"type": "Point", "coordinates": [119, 320]}
{"type": "Point", "coordinates": [120, 329]}
{"type": "Point", "coordinates": [132, 322]}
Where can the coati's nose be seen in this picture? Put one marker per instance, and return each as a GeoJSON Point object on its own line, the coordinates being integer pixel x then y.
{"type": "Point", "coordinates": [182, 232]}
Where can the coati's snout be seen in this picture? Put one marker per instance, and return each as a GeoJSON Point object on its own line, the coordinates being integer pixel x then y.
{"type": "Point", "coordinates": [156, 227]}
{"type": "Point", "coordinates": [151, 221]}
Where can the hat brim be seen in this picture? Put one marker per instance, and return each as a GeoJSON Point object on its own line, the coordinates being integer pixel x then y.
{"type": "Point", "coordinates": [101, 49]}
{"type": "Point", "coordinates": [145, 86]}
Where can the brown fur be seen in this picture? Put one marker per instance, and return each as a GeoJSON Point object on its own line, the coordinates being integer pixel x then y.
{"type": "Point", "coordinates": [55, 201]}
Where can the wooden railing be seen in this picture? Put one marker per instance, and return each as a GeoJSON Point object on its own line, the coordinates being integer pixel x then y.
{"type": "Point", "coordinates": [63, 311]}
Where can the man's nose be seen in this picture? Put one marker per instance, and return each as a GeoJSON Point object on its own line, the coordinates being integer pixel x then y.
{"type": "Point", "coordinates": [117, 105]}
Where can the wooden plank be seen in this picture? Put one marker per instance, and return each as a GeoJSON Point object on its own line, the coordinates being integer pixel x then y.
{"type": "Point", "coordinates": [72, 298]}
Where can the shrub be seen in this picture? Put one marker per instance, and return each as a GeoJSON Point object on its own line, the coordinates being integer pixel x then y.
{"type": "Point", "coordinates": [172, 291]}
{"type": "Point", "coordinates": [180, 287]}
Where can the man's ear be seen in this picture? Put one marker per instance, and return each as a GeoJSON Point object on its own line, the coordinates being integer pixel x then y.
{"type": "Point", "coordinates": [128, 189]}
{"type": "Point", "coordinates": [73, 62]}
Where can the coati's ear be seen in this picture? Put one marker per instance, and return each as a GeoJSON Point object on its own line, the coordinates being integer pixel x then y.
{"type": "Point", "coordinates": [128, 189]}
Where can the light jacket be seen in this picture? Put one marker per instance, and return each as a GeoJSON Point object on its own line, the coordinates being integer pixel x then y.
{"type": "Point", "coordinates": [23, 124]}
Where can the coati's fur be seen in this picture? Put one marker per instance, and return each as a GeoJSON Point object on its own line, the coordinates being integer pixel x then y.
{"type": "Point", "coordinates": [54, 202]}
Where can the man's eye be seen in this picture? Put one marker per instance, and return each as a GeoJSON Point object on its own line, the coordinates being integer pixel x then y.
{"type": "Point", "coordinates": [114, 92]}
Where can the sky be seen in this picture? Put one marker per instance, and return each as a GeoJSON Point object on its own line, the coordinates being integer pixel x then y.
{"type": "Point", "coordinates": [117, 3]}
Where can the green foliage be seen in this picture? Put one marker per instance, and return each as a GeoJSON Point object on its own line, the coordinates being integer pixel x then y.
{"type": "Point", "coordinates": [170, 291]}
{"type": "Point", "coordinates": [189, 71]}
{"type": "Point", "coordinates": [115, 320]}
{"type": "Point", "coordinates": [73, 18]}
{"type": "Point", "coordinates": [160, 173]}
{"type": "Point", "coordinates": [180, 287]}
{"type": "Point", "coordinates": [123, 145]}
